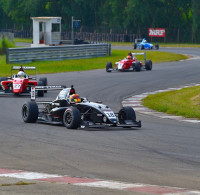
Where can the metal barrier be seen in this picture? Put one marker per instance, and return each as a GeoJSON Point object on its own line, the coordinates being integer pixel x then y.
{"type": "Point", "coordinates": [51, 53]}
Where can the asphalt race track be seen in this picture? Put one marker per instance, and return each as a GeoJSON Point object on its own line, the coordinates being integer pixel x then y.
{"type": "Point", "coordinates": [163, 152]}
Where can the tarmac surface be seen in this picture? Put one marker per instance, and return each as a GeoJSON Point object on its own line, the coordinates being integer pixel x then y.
{"type": "Point", "coordinates": [163, 152]}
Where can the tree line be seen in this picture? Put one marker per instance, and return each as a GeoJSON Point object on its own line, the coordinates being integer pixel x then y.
{"type": "Point", "coordinates": [179, 17]}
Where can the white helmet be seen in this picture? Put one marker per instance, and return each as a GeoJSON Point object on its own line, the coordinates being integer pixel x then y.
{"type": "Point", "coordinates": [21, 74]}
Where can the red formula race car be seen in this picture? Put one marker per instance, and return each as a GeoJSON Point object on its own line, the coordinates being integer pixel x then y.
{"type": "Point", "coordinates": [21, 83]}
{"type": "Point", "coordinates": [130, 63]}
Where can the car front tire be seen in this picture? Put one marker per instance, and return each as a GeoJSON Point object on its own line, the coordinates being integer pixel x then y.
{"type": "Point", "coordinates": [126, 113]}
{"type": "Point", "coordinates": [72, 118]}
{"type": "Point", "coordinates": [148, 65]}
{"type": "Point", "coordinates": [108, 66]}
{"type": "Point", "coordinates": [30, 112]}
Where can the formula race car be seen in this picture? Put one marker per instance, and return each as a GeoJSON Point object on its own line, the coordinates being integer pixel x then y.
{"type": "Point", "coordinates": [130, 63]}
{"type": "Point", "coordinates": [21, 83]}
{"type": "Point", "coordinates": [75, 112]}
{"type": "Point", "coordinates": [143, 44]}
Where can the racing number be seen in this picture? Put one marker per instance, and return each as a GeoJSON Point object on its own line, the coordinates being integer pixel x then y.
{"type": "Point", "coordinates": [110, 114]}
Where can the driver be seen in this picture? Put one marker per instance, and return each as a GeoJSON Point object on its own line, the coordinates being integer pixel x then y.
{"type": "Point", "coordinates": [75, 98]}
{"type": "Point", "coordinates": [129, 57]}
{"type": "Point", "coordinates": [130, 54]}
{"type": "Point", "coordinates": [144, 40]}
{"type": "Point", "coordinates": [21, 74]}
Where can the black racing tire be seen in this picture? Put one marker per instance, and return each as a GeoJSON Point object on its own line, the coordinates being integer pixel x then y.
{"type": "Point", "coordinates": [126, 113]}
{"type": "Point", "coordinates": [30, 112]}
{"type": "Point", "coordinates": [72, 118]}
{"type": "Point", "coordinates": [44, 79]}
{"type": "Point", "coordinates": [137, 67]}
{"type": "Point", "coordinates": [134, 46]}
{"type": "Point", "coordinates": [157, 47]}
{"type": "Point", "coordinates": [108, 66]}
{"type": "Point", "coordinates": [2, 79]}
{"type": "Point", "coordinates": [40, 93]}
{"type": "Point", "coordinates": [142, 47]}
{"type": "Point", "coordinates": [148, 65]}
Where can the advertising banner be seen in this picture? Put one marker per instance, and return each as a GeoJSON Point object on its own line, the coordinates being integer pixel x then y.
{"type": "Point", "coordinates": [157, 32]}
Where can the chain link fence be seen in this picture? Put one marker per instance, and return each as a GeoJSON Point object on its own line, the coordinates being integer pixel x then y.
{"type": "Point", "coordinates": [172, 36]}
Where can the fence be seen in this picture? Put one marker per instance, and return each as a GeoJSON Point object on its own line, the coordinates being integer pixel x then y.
{"type": "Point", "coordinates": [24, 55]}
{"type": "Point", "coordinates": [92, 37]}
{"type": "Point", "coordinates": [19, 33]}
{"type": "Point", "coordinates": [9, 35]}
{"type": "Point", "coordinates": [109, 37]}
{"type": "Point", "coordinates": [172, 36]}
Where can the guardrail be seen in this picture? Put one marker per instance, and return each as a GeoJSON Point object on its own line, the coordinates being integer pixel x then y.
{"type": "Point", "coordinates": [51, 53]}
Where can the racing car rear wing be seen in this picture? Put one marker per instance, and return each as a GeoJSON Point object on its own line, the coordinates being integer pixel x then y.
{"type": "Point", "coordinates": [22, 68]}
{"type": "Point", "coordinates": [139, 54]}
{"type": "Point", "coordinates": [44, 88]}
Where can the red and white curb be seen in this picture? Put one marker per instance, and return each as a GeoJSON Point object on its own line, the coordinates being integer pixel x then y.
{"type": "Point", "coordinates": [136, 102]}
{"type": "Point", "coordinates": [98, 183]}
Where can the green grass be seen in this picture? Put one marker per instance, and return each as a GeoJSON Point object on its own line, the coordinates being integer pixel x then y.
{"type": "Point", "coordinates": [23, 40]}
{"type": "Point", "coordinates": [122, 44]}
{"type": "Point", "coordinates": [190, 45]}
{"type": "Point", "coordinates": [29, 40]}
{"type": "Point", "coordinates": [87, 64]}
{"type": "Point", "coordinates": [184, 102]}
{"type": "Point", "coordinates": [5, 43]}
{"type": "Point", "coordinates": [185, 45]}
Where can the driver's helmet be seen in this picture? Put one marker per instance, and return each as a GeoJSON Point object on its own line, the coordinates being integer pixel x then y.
{"type": "Point", "coordinates": [144, 40]}
{"type": "Point", "coordinates": [129, 57]}
{"type": "Point", "coordinates": [21, 74]}
{"type": "Point", "coordinates": [75, 98]}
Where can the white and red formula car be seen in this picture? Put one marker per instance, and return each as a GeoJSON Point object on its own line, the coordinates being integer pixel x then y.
{"type": "Point", "coordinates": [21, 83]}
{"type": "Point", "coordinates": [130, 63]}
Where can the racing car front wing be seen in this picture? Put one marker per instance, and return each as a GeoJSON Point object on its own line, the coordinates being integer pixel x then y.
{"type": "Point", "coordinates": [129, 124]}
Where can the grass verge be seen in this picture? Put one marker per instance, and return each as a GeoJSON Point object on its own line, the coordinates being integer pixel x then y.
{"type": "Point", "coordinates": [184, 45]}
{"type": "Point", "coordinates": [184, 102]}
{"type": "Point", "coordinates": [87, 64]}
{"type": "Point", "coordinates": [23, 40]}
{"type": "Point", "coordinates": [190, 45]}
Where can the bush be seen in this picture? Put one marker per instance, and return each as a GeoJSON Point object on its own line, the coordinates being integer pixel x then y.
{"type": "Point", "coordinates": [5, 43]}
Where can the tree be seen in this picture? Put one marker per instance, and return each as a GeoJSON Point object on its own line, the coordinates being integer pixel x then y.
{"type": "Point", "coordinates": [195, 19]}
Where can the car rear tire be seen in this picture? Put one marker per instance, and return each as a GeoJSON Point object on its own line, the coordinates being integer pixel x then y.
{"type": "Point", "coordinates": [72, 118]}
{"type": "Point", "coordinates": [142, 47]}
{"type": "Point", "coordinates": [157, 47]}
{"type": "Point", "coordinates": [40, 93]}
{"type": "Point", "coordinates": [2, 79]}
{"type": "Point", "coordinates": [126, 113]}
{"type": "Point", "coordinates": [148, 65]}
{"type": "Point", "coordinates": [137, 66]}
{"type": "Point", "coordinates": [30, 112]}
{"type": "Point", "coordinates": [135, 46]}
{"type": "Point", "coordinates": [44, 80]}
{"type": "Point", "coordinates": [108, 66]}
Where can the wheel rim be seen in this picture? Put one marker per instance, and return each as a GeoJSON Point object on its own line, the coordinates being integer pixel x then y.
{"type": "Point", "coordinates": [68, 118]}
{"type": "Point", "coordinates": [122, 117]}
